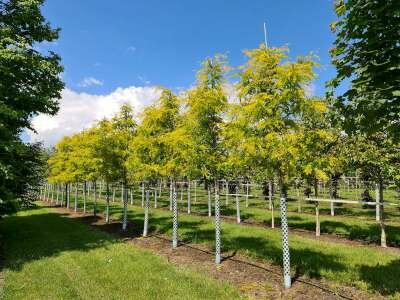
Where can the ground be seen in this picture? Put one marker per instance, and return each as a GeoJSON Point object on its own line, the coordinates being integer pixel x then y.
{"type": "Point", "coordinates": [239, 274]}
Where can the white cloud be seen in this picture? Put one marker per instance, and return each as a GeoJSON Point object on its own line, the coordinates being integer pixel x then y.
{"type": "Point", "coordinates": [132, 49]}
{"type": "Point", "coordinates": [90, 81]}
{"type": "Point", "coordinates": [81, 110]}
{"type": "Point", "coordinates": [310, 90]}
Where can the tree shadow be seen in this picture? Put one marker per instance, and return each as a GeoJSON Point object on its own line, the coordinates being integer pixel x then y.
{"type": "Point", "coordinates": [382, 278]}
{"type": "Point", "coordinates": [37, 236]}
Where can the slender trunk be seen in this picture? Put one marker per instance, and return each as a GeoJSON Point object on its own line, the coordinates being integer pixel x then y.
{"type": "Point", "coordinates": [317, 221]}
{"type": "Point", "coordinates": [271, 204]}
{"type": "Point", "coordinates": [209, 201]}
{"type": "Point", "coordinates": [237, 205]}
{"type": "Point", "coordinates": [227, 192]}
{"type": "Point", "coordinates": [76, 198]}
{"type": "Point", "coordinates": [94, 200]}
{"type": "Point", "coordinates": [378, 207]}
{"type": "Point", "coordinates": [131, 190]}
{"type": "Point", "coordinates": [125, 206]}
{"type": "Point", "coordinates": [170, 195]}
{"type": "Point", "coordinates": [195, 191]}
{"type": "Point", "coordinates": [84, 197]}
{"type": "Point", "coordinates": [67, 194]}
{"type": "Point", "coordinates": [189, 204]}
{"type": "Point", "coordinates": [299, 201]}
{"type": "Point", "coordinates": [142, 194]}
{"type": "Point", "coordinates": [381, 215]}
{"type": "Point", "coordinates": [107, 202]}
{"type": "Point", "coordinates": [247, 194]}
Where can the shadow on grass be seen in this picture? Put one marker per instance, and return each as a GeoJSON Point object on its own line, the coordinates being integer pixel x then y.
{"type": "Point", "coordinates": [39, 235]}
{"type": "Point", "coordinates": [313, 262]}
{"type": "Point", "coordinates": [384, 279]}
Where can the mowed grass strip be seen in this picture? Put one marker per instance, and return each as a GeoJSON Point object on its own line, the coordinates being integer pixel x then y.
{"type": "Point", "coordinates": [364, 267]}
{"type": "Point", "coordinates": [49, 256]}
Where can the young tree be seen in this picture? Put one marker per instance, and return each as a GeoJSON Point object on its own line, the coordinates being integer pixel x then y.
{"type": "Point", "coordinates": [124, 130]}
{"type": "Point", "coordinates": [206, 104]}
{"type": "Point", "coordinates": [273, 102]}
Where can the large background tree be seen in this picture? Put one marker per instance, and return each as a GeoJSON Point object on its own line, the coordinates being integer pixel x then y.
{"type": "Point", "coordinates": [366, 52]}
{"type": "Point", "coordinates": [29, 84]}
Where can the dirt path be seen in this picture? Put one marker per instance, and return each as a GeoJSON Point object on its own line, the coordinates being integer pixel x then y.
{"type": "Point", "coordinates": [256, 279]}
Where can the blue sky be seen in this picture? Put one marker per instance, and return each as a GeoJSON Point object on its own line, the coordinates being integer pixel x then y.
{"type": "Point", "coordinates": [152, 42]}
{"type": "Point", "coordinates": [117, 51]}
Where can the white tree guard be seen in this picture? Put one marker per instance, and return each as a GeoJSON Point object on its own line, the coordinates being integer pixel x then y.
{"type": "Point", "coordinates": [155, 198]}
{"type": "Point", "coordinates": [209, 201]}
{"type": "Point", "coordinates": [94, 200]}
{"type": "Point", "coordinates": [174, 219]}
{"type": "Point", "coordinates": [247, 194]}
{"type": "Point", "coordinates": [189, 204]}
{"type": "Point", "coordinates": [146, 214]}
{"type": "Point", "coordinates": [76, 198]}
{"type": "Point", "coordinates": [131, 190]}
{"type": "Point", "coordinates": [195, 191]}
{"type": "Point", "coordinates": [285, 244]}
{"type": "Point", "coordinates": [67, 194]}
{"type": "Point", "coordinates": [84, 197]}
{"type": "Point", "coordinates": [238, 220]}
{"type": "Point", "coordinates": [170, 196]}
{"type": "Point", "coordinates": [107, 204]}
{"type": "Point", "coordinates": [113, 196]}
{"type": "Point", "coordinates": [57, 194]}
{"type": "Point", "coordinates": [217, 228]}
{"type": "Point", "coordinates": [142, 194]}
{"type": "Point", "coordinates": [378, 207]}
{"type": "Point", "coordinates": [52, 193]}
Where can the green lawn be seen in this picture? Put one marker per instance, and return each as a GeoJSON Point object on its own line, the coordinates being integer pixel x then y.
{"type": "Point", "coordinates": [350, 221]}
{"type": "Point", "coordinates": [360, 266]}
{"type": "Point", "coordinates": [49, 256]}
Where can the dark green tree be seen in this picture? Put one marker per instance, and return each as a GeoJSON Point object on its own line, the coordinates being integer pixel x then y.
{"type": "Point", "coordinates": [29, 84]}
{"type": "Point", "coordinates": [366, 54]}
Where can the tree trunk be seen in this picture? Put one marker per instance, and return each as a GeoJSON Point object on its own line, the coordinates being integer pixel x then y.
{"type": "Point", "coordinates": [107, 203]}
{"type": "Point", "coordinates": [84, 197]}
{"type": "Point", "coordinates": [317, 221]}
{"type": "Point", "coordinates": [381, 215]}
{"type": "Point", "coordinates": [94, 199]}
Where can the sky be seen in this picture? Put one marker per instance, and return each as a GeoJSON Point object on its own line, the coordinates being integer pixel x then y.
{"type": "Point", "coordinates": [119, 51]}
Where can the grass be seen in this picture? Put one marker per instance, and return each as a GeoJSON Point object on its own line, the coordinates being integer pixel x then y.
{"type": "Point", "coordinates": [49, 256]}
{"type": "Point", "coordinates": [349, 221]}
{"type": "Point", "coordinates": [363, 267]}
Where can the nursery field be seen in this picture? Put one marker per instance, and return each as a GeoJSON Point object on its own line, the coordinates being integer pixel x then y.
{"type": "Point", "coordinates": [347, 253]}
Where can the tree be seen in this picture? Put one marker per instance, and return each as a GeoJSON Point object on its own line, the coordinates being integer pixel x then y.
{"type": "Point", "coordinates": [273, 103]}
{"type": "Point", "coordinates": [29, 84]}
{"type": "Point", "coordinates": [149, 153]}
{"type": "Point", "coordinates": [124, 130]}
{"type": "Point", "coordinates": [206, 104]}
{"type": "Point", "coordinates": [366, 52]}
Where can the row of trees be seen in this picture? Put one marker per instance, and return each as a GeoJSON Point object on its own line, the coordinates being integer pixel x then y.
{"type": "Point", "coordinates": [272, 129]}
